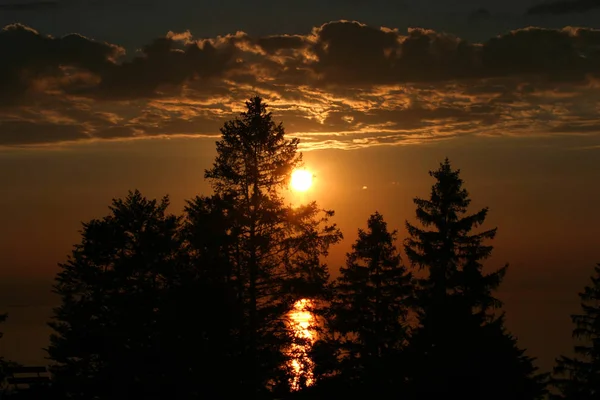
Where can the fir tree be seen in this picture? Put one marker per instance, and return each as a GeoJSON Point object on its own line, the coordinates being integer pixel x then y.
{"type": "Point", "coordinates": [207, 240]}
{"type": "Point", "coordinates": [450, 252]}
{"type": "Point", "coordinates": [578, 377]}
{"type": "Point", "coordinates": [274, 253]}
{"type": "Point", "coordinates": [461, 348]}
{"type": "Point", "coordinates": [108, 331]}
{"type": "Point", "coordinates": [3, 363]}
{"type": "Point", "coordinates": [370, 309]}
{"type": "Point", "coordinates": [7, 365]}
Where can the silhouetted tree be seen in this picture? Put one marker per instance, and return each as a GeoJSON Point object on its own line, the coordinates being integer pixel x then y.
{"type": "Point", "coordinates": [370, 309]}
{"type": "Point", "coordinates": [206, 226]}
{"type": "Point", "coordinates": [578, 378]}
{"type": "Point", "coordinates": [108, 330]}
{"type": "Point", "coordinates": [3, 363]}
{"type": "Point", "coordinates": [215, 337]}
{"type": "Point", "coordinates": [273, 250]}
{"type": "Point", "coordinates": [460, 348]}
{"type": "Point", "coordinates": [3, 318]}
{"type": "Point", "coordinates": [5, 372]}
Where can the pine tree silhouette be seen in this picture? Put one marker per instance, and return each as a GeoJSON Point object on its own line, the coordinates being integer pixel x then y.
{"type": "Point", "coordinates": [274, 258]}
{"type": "Point", "coordinates": [578, 377]}
{"type": "Point", "coordinates": [107, 331]}
{"type": "Point", "coordinates": [461, 349]}
{"type": "Point", "coordinates": [4, 364]}
{"type": "Point", "coordinates": [370, 309]}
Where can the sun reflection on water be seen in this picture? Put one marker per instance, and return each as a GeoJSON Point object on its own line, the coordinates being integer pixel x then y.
{"type": "Point", "coordinates": [302, 324]}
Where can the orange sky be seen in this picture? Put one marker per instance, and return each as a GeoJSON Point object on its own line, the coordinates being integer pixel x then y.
{"type": "Point", "coordinates": [541, 195]}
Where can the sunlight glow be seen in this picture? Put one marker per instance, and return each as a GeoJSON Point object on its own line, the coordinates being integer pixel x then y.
{"type": "Point", "coordinates": [301, 180]}
{"type": "Point", "coordinates": [302, 322]}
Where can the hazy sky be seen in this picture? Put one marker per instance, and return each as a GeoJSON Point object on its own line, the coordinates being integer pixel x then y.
{"type": "Point", "coordinates": [98, 97]}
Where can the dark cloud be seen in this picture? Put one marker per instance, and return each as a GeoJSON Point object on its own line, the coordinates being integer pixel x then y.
{"type": "Point", "coordinates": [564, 7]}
{"type": "Point", "coordinates": [343, 82]}
{"type": "Point", "coordinates": [115, 132]}
{"type": "Point", "coordinates": [567, 54]}
{"type": "Point", "coordinates": [412, 117]}
{"type": "Point", "coordinates": [336, 53]}
{"type": "Point", "coordinates": [79, 65]}
{"type": "Point", "coordinates": [273, 44]}
{"type": "Point", "coordinates": [165, 62]}
{"type": "Point", "coordinates": [30, 59]}
{"type": "Point", "coordinates": [178, 126]}
{"type": "Point", "coordinates": [350, 53]}
{"type": "Point", "coordinates": [577, 128]}
{"type": "Point", "coordinates": [29, 133]}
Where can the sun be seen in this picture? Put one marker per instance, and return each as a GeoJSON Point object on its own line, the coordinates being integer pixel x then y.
{"type": "Point", "coordinates": [301, 180]}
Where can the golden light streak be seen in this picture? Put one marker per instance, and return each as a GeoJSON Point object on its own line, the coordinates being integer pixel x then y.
{"type": "Point", "coordinates": [302, 325]}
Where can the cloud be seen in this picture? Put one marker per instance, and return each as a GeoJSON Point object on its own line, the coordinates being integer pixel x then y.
{"type": "Point", "coordinates": [354, 53]}
{"type": "Point", "coordinates": [334, 54]}
{"type": "Point", "coordinates": [563, 7]}
{"type": "Point", "coordinates": [33, 133]}
{"type": "Point", "coordinates": [343, 84]}
{"type": "Point", "coordinates": [32, 61]}
{"type": "Point", "coordinates": [274, 44]}
{"type": "Point", "coordinates": [164, 63]}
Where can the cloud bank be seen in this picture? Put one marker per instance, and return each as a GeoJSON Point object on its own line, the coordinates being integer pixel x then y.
{"type": "Point", "coordinates": [342, 84]}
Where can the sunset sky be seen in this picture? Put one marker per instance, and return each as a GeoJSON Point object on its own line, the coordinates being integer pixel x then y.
{"type": "Point", "coordinates": [101, 96]}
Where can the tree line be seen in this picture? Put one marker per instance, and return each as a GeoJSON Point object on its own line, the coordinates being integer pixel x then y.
{"type": "Point", "coordinates": [162, 306]}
